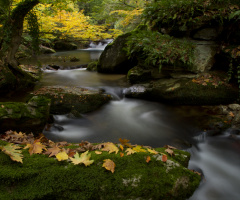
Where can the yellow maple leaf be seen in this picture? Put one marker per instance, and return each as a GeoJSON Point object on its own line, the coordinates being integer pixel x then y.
{"type": "Point", "coordinates": [83, 158]}
{"type": "Point", "coordinates": [110, 147]}
{"type": "Point", "coordinates": [35, 148]}
{"type": "Point", "coordinates": [152, 151]}
{"type": "Point", "coordinates": [11, 150]}
{"type": "Point", "coordinates": [138, 148]}
{"type": "Point", "coordinates": [62, 156]}
{"type": "Point", "coordinates": [130, 151]}
{"type": "Point", "coordinates": [121, 147]}
{"type": "Point", "coordinates": [109, 165]}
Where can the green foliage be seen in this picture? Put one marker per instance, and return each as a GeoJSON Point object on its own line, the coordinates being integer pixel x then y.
{"type": "Point", "coordinates": [187, 13]}
{"type": "Point", "coordinates": [157, 49]}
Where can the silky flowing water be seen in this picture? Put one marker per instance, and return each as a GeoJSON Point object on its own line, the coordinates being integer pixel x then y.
{"type": "Point", "coordinates": [145, 123]}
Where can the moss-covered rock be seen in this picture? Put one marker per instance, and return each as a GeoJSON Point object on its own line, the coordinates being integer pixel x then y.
{"type": "Point", "coordinates": [73, 99]}
{"type": "Point", "coordinates": [114, 59]}
{"type": "Point", "coordinates": [64, 45]}
{"type": "Point", "coordinates": [41, 177]}
{"type": "Point", "coordinates": [185, 92]}
{"type": "Point", "coordinates": [138, 75]}
{"type": "Point", "coordinates": [26, 117]}
{"type": "Point", "coordinates": [92, 66]}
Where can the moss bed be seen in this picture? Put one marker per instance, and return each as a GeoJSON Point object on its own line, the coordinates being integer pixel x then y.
{"type": "Point", "coordinates": [41, 177]}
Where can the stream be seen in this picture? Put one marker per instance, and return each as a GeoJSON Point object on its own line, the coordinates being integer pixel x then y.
{"type": "Point", "coordinates": [145, 123]}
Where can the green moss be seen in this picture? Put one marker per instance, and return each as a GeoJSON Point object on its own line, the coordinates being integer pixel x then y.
{"type": "Point", "coordinates": [40, 177]}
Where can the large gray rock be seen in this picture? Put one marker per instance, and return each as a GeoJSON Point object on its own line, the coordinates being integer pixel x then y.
{"type": "Point", "coordinates": [26, 117]}
{"type": "Point", "coordinates": [114, 59]}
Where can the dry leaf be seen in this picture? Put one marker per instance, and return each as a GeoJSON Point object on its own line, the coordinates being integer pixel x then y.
{"type": "Point", "coordinates": [164, 157]}
{"type": "Point", "coordinates": [53, 151]}
{"type": "Point", "coordinates": [152, 151]}
{"type": "Point", "coordinates": [110, 147]}
{"type": "Point", "coordinates": [124, 142]}
{"type": "Point", "coordinates": [231, 114]}
{"type": "Point", "coordinates": [169, 151]}
{"type": "Point", "coordinates": [138, 148]}
{"type": "Point", "coordinates": [11, 150]}
{"type": "Point", "coordinates": [148, 159]}
{"type": "Point", "coordinates": [62, 156]}
{"type": "Point", "coordinates": [169, 147]}
{"type": "Point", "coordinates": [98, 152]}
{"type": "Point", "coordinates": [35, 148]}
{"type": "Point", "coordinates": [121, 147]}
{"type": "Point", "coordinates": [109, 165]}
{"type": "Point", "coordinates": [121, 154]}
{"type": "Point", "coordinates": [83, 158]}
{"type": "Point", "coordinates": [130, 151]}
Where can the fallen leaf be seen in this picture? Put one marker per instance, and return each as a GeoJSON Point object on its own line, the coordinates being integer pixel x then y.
{"type": "Point", "coordinates": [130, 151]}
{"type": "Point", "coordinates": [62, 156]}
{"type": "Point", "coordinates": [11, 150]}
{"type": "Point", "coordinates": [2, 106]}
{"type": "Point", "coordinates": [121, 154]}
{"type": "Point", "coordinates": [98, 152]}
{"type": "Point", "coordinates": [231, 114]}
{"type": "Point", "coordinates": [71, 153]}
{"type": "Point", "coordinates": [110, 147]}
{"type": "Point", "coordinates": [170, 151]}
{"type": "Point", "coordinates": [109, 165]}
{"type": "Point", "coordinates": [83, 158]}
{"type": "Point", "coordinates": [164, 157]}
{"type": "Point", "coordinates": [35, 148]}
{"type": "Point", "coordinates": [152, 151]}
{"type": "Point", "coordinates": [195, 172]}
{"type": "Point", "coordinates": [148, 159]}
{"type": "Point", "coordinates": [124, 142]}
{"type": "Point", "coordinates": [169, 147]}
{"type": "Point", "coordinates": [53, 151]}
{"type": "Point", "coordinates": [138, 148]}
{"type": "Point", "coordinates": [121, 147]}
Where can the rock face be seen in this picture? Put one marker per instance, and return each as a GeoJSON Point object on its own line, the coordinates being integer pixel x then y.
{"type": "Point", "coordinates": [72, 99]}
{"type": "Point", "coordinates": [41, 177]}
{"type": "Point", "coordinates": [114, 59]}
{"type": "Point", "coordinates": [26, 117]}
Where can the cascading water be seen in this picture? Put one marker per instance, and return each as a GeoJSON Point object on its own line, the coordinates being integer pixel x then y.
{"type": "Point", "coordinates": [148, 123]}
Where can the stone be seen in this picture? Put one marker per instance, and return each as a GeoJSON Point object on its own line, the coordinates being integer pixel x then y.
{"type": "Point", "coordinates": [114, 59]}
{"type": "Point", "coordinates": [26, 117]}
{"type": "Point", "coordinates": [64, 46]}
{"type": "Point", "coordinates": [234, 107]}
{"type": "Point", "coordinates": [46, 50]}
{"type": "Point", "coordinates": [138, 75]}
{"type": "Point", "coordinates": [206, 34]}
{"type": "Point", "coordinates": [74, 100]}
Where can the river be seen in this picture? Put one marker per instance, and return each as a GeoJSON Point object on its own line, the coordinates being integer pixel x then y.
{"type": "Point", "coordinates": [146, 123]}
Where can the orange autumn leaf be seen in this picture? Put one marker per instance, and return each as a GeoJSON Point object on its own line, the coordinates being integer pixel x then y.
{"type": "Point", "coordinates": [164, 158]}
{"type": "Point", "coordinates": [121, 154]}
{"type": "Point", "coordinates": [231, 114]}
{"type": "Point", "coordinates": [35, 148]}
{"type": "Point", "coordinates": [121, 147]}
{"type": "Point", "coordinates": [109, 165]}
{"type": "Point", "coordinates": [148, 159]}
{"type": "Point", "coordinates": [124, 142]}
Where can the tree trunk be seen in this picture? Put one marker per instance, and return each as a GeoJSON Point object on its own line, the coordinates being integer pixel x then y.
{"type": "Point", "coordinates": [8, 63]}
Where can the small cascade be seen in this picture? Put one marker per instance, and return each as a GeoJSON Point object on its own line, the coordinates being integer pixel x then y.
{"type": "Point", "coordinates": [99, 46]}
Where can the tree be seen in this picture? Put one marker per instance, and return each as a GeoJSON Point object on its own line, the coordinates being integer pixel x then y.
{"type": "Point", "coordinates": [10, 74]}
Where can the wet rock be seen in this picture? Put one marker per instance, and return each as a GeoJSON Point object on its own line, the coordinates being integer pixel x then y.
{"type": "Point", "coordinates": [27, 117]}
{"type": "Point", "coordinates": [114, 59]}
{"type": "Point", "coordinates": [64, 45]}
{"type": "Point", "coordinates": [65, 100]}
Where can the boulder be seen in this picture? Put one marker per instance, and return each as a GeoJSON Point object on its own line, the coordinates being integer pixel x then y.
{"type": "Point", "coordinates": [114, 59]}
{"type": "Point", "coordinates": [73, 99]}
{"type": "Point", "coordinates": [46, 50]}
{"type": "Point", "coordinates": [41, 177]}
{"type": "Point", "coordinates": [26, 117]}
{"type": "Point", "coordinates": [184, 91]}
{"type": "Point", "coordinates": [64, 46]}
